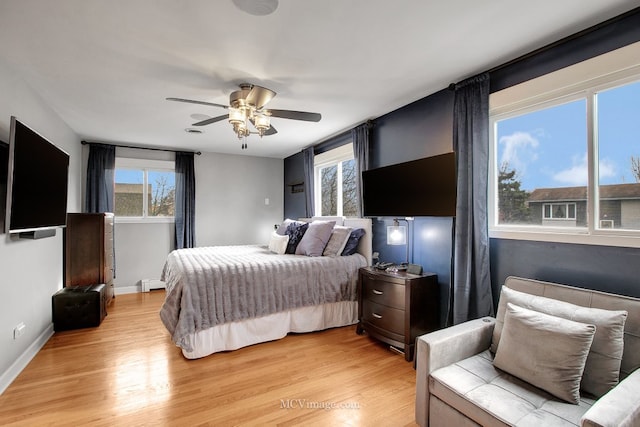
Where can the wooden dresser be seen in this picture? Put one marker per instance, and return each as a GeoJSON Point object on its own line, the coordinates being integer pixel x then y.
{"type": "Point", "coordinates": [88, 251]}
{"type": "Point", "coordinates": [397, 307]}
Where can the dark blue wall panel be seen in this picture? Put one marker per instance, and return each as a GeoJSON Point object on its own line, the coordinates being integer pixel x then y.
{"type": "Point", "coordinates": [421, 129]}
{"type": "Point", "coordinates": [430, 245]}
{"type": "Point", "coordinates": [604, 268]}
{"type": "Point", "coordinates": [294, 203]}
{"type": "Point", "coordinates": [424, 128]}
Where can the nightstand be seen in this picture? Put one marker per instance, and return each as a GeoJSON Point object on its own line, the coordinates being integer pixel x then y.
{"type": "Point", "coordinates": [397, 307]}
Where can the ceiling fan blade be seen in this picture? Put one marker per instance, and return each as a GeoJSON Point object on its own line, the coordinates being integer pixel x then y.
{"type": "Point", "coordinates": [211, 120]}
{"type": "Point", "coordinates": [296, 115]}
{"type": "Point", "coordinates": [259, 96]}
{"type": "Point", "coordinates": [191, 101]}
{"type": "Point", "coordinates": [271, 131]}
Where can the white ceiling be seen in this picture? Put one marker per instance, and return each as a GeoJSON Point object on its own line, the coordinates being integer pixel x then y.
{"type": "Point", "coordinates": [106, 66]}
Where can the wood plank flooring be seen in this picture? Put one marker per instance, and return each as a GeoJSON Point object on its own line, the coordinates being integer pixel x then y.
{"type": "Point", "coordinates": [127, 372]}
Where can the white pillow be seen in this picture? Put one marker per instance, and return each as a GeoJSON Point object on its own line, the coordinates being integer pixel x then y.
{"type": "Point", "coordinates": [546, 351]}
{"type": "Point", "coordinates": [278, 243]}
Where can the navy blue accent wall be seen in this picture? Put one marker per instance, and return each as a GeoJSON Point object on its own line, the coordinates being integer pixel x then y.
{"type": "Point", "coordinates": [603, 268]}
{"type": "Point", "coordinates": [424, 128]}
{"type": "Point", "coordinates": [421, 129]}
{"type": "Point", "coordinates": [294, 203]}
{"type": "Point", "coordinates": [430, 245]}
{"type": "Point", "coordinates": [609, 269]}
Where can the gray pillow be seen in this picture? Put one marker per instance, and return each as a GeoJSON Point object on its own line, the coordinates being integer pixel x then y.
{"type": "Point", "coordinates": [602, 370]}
{"type": "Point", "coordinates": [546, 351]}
{"type": "Point", "coordinates": [337, 241]}
{"type": "Point", "coordinates": [282, 228]}
{"type": "Point", "coordinates": [315, 238]}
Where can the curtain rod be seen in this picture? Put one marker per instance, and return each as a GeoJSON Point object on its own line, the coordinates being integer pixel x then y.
{"type": "Point", "coordinates": [139, 148]}
{"type": "Point", "coordinates": [563, 40]}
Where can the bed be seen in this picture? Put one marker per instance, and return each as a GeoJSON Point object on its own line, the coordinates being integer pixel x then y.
{"type": "Point", "coordinates": [224, 298]}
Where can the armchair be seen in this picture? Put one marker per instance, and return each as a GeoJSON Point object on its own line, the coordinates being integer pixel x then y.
{"type": "Point", "coordinates": [459, 380]}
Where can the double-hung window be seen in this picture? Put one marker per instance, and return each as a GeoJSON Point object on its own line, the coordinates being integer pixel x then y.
{"type": "Point", "coordinates": [144, 190]}
{"type": "Point", "coordinates": [335, 182]}
{"type": "Point", "coordinates": [565, 157]}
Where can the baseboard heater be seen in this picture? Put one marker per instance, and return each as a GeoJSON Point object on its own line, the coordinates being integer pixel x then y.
{"type": "Point", "coordinates": [149, 284]}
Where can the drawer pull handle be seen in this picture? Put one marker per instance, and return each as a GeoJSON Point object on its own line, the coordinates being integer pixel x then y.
{"type": "Point", "coordinates": [376, 315]}
{"type": "Point", "coordinates": [377, 292]}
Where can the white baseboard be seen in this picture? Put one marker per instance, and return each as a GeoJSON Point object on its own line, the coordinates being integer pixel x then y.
{"type": "Point", "coordinates": [149, 284]}
{"type": "Point", "coordinates": [121, 290]}
{"type": "Point", "coordinates": [14, 370]}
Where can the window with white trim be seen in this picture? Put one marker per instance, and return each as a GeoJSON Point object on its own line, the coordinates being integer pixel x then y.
{"type": "Point", "coordinates": [144, 190]}
{"type": "Point", "coordinates": [335, 182]}
{"type": "Point", "coordinates": [565, 155]}
{"type": "Point", "coordinates": [559, 211]}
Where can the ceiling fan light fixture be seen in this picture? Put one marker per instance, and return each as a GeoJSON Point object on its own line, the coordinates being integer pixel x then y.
{"type": "Point", "coordinates": [262, 123]}
{"type": "Point", "coordinates": [241, 130]}
{"type": "Point", "coordinates": [237, 115]}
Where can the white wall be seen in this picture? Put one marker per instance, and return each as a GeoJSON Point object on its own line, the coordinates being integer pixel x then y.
{"type": "Point", "coordinates": [230, 199]}
{"type": "Point", "coordinates": [230, 209]}
{"type": "Point", "coordinates": [31, 270]}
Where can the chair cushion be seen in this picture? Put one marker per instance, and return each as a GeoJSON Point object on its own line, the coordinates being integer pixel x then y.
{"type": "Point", "coordinates": [602, 368]}
{"type": "Point", "coordinates": [547, 351]}
{"type": "Point", "coordinates": [489, 396]}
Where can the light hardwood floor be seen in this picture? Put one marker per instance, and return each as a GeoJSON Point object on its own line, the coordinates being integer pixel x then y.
{"type": "Point", "coordinates": [127, 372]}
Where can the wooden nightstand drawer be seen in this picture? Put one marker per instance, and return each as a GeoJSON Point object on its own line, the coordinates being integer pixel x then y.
{"type": "Point", "coordinates": [383, 292]}
{"type": "Point", "coordinates": [381, 316]}
{"type": "Point", "coordinates": [397, 307]}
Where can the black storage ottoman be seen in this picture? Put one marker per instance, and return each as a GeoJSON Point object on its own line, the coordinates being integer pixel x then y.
{"type": "Point", "coordinates": [76, 307]}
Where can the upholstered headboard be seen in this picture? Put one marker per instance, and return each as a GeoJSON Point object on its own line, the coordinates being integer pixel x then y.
{"type": "Point", "coordinates": [365, 246]}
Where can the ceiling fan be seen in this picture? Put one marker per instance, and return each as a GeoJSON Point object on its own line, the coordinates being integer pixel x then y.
{"type": "Point", "coordinates": [247, 105]}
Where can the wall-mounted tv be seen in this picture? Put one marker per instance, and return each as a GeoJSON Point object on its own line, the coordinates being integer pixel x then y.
{"type": "Point", "coordinates": [423, 187]}
{"type": "Point", "coordinates": [37, 182]}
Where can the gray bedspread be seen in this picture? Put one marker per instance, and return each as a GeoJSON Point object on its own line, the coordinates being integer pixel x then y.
{"type": "Point", "coordinates": [214, 285]}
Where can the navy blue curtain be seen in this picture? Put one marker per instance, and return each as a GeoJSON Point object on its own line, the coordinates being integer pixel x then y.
{"type": "Point", "coordinates": [185, 215]}
{"type": "Point", "coordinates": [471, 296]}
{"type": "Point", "coordinates": [99, 195]}
{"type": "Point", "coordinates": [360, 138]}
{"type": "Point", "coordinates": [308, 156]}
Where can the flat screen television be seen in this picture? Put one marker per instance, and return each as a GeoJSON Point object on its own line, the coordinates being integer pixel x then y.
{"type": "Point", "coordinates": [37, 182]}
{"type": "Point", "coordinates": [423, 187]}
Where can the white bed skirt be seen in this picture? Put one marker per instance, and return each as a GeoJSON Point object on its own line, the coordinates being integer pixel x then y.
{"type": "Point", "coordinates": [232, 336]}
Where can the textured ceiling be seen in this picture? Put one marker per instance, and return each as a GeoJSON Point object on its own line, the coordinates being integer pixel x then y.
{"type": "Point", "coordinates": [106, 66]}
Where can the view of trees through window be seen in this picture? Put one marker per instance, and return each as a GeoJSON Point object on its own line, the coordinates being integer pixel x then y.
{"type": "Point", "coordinates": [542, 162]}
{"type": "Point", "coordinates": [335, 182]}
{"type": "Point", "coordinates": [144, 193]}
{"type": "Point", "coordinates": [338, 186]}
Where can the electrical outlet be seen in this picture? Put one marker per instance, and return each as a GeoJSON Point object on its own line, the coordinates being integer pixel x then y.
{"type": "Point", "coordinates": [19, 330]}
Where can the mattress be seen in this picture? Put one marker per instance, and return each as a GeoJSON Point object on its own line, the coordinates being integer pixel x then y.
{"type": "Point", "coordinates": [225, 297]}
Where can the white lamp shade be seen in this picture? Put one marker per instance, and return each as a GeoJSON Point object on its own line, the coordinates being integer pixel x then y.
{"type": "Point", "coordinates": [236, 116]}
{"type": "Point", "coordinates": [396, 235]}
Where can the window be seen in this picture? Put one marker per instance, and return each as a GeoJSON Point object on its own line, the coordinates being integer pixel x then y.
{"type": "Point", "coordinates": [144, 189]}
{"type": "Point", "coordinates": [335, 182]}
{"type": "Point", "coordinates": [559, 211]}
{"type": "Point", "coordinates": [565, 158]}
